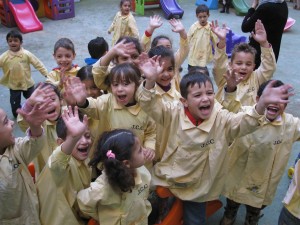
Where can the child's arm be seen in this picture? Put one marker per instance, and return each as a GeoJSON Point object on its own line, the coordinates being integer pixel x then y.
{"type": "Point", "coordinates": [112, 26]}
{"type": "Point", "coordinates": [154, 23]}
{"type": "Point", "coordinates": [37, 64]}
{"type": "Point", "coordinates": [150, 140]}
{"type": "Point", "coordinates": [133, 27]}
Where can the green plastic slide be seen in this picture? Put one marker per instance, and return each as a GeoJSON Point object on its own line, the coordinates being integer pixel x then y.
{"type": "Point", "coordinates": [240, 6]}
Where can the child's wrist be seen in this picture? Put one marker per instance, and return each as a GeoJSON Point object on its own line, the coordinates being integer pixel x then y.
{"type": "Point", "coordinates": [148, 32]}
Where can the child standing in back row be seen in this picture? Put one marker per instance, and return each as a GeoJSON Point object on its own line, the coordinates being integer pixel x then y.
{"type": "Point", "coordinates": [124, 23]}
{"type": "Point", "coordinates": [16, 70]}
{"type": "Point", "coordinates": [201, 38]}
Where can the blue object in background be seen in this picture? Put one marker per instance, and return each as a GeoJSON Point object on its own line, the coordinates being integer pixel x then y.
{"type": "Point", "coordinates": [211, 4]}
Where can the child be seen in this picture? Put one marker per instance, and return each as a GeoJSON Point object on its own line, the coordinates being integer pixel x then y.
{"type": "Point", "coordinates": [16, 70]}
{"type": "Point", "coordinates": [19, 203]}
{"type": "Point", "coordinates": [66, 172]}
{"type": "Point", "coordinates": [257, 161]}
{"type": "Point", "coordinates": [119, 195]}
{"type": "Point", "coordinates": [97, 48]}
{"type": "Point", "coordinates": [242, 63]}
{"type": "Point", "coordinates": [181, 53]}
{"type": "Point", "coordinates": [64, 54]}
{"type": "Point", "coordinates": [290, 213]}
{"type": "Point", "coordinates": [41, 92]}
{"type": "Point", "coordinates": [126, 50]}
{"type": "Point", "coordinates": [193, 164]}
{"type": "Point", "coordinates": [201, 39]}
{"type": "Point", "coordinates": [119, 108]}
{"type": "Point", "coordinates": [124, 23]}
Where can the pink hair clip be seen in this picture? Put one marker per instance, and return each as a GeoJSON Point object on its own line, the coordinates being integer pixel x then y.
{"type": "Point", "coordinates": [110, 154]}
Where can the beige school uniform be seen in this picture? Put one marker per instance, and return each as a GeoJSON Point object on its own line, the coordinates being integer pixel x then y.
{"type": "Point", "coordinates": [58, 184]}
{"type": "Point", "coordinates": [110, 206]}
{"type": "Point", "coordinates": [123, 26]}
{"type": "Point", "coordinates": [201, 39]}
{"type": "Point", "coordinates": [54, 76]}
{"type": "Point", "coordinates": [193, 164]}
{"type": "Point", "coordinates": [180, 55]}
{"type": "Point", "coordinates": [16, 69]}
{"type": "Point", "coordinates": [18, 195]}
{"type": "Point", "coordinates": [162, 133]}
{"type": "Point", "coordinates": [292, 199]}
{"type": "Point", "coordinates": [48, 148]}
{"type": "Point", "coordinates": [100, 73]}
{"type": "Point", "coordinates": [114, 116]}
{"type": "Point", "coordinates": [246, 90]}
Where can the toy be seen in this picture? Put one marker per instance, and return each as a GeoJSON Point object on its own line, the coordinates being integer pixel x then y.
{"type": "Point", "coordinates": [211, 4]}
{"type": "Point", "coordinates": [59, 9]}
{"type": "Point", "coordinates": [289, 23]}
{"type": "Point", "coordinates": [291, 170]}
{"type": "Point", "coordinates": [171, 9]}
{"type": "Point", "coordinates": [233, 39]}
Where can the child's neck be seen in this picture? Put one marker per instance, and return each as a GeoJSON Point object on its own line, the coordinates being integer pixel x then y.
{"type": "Point", "coordinates": [165, 88]}
{"type": "Point", "coordinates": [195, 121]}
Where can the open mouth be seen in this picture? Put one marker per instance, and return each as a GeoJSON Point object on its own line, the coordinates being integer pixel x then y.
{"type": "Point", "coordinates": [83, 150]}
{"type": "Point", "coordinates": [204, 108]}
{"type": "Point", "coordinates": [121, 97]}
{"type": "Point", "coordinates": [272, 110]}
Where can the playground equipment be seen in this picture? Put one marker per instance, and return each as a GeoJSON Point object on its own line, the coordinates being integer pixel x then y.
{"type": "Point", "coordinates": [289, 23]}
{"type": "Point", "coordinates": [59, 9]}
{"type": "Point", "coordinates": [231, 40]}
{"type": "Point", "coordinates": [211, 4]}
{"type": "Point", "coordinates": [241, 7]}
{"type": "Point", "coordinates": [170, 8]}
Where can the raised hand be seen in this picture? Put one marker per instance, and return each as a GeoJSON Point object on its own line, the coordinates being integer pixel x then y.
{"type": "Point", "coordinates": [155, 22]}
{"type": "Point", "coordinates": [232, 79]}
{"type": "Point", "coordinates": [260, 34]}
{"type": "Point", "coordinates": [177, 26]}
{"type": "Point", "coordinates": [41, 92]}
{"type": "Point", "coordinates": [75, 92]}
{"type": "Point", "coordinates": [124, 50]}
{"type": "Point", "coordinates": [149, 154]}
{"type": "Point", "coordinates": [150, 67]}
{"type": "Point", "coordinates": [219, 31]}
{"type": "Point", "coordinates": [74, 126]}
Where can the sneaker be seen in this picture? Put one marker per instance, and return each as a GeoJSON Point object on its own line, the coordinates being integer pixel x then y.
{"type": "Point", "coordinates": [227, 221]}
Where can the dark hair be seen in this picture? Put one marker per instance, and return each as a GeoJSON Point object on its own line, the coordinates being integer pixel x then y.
{"type": "Point", "coordinates": [163, 52]}
{"type": "Point", "coordinates": [243, 47]}
{"type": "Point", "coordinates": [262, 87]}
{"type": "Point", "coordinates": [97, 47]}
{"type": "Point", "coordinates": [61, 128]}
{"type": "Point", "coordinates": [85, 73]}
{"type": "Point", "coordinates": [199, 69]}
{"type": "Point", "coordinates": [14, 34]}
{"type": "Point", "coordinates": [124, 71]}
{"type": "Point", "coordinates": [120, 142]}
{"type": "Point", "coordinates": [157, 38]}
{"type": "Point", "coordinates": [201, 9]}
{"type": "Point", "coordinates": [134, 40]}
{"type": "Point", "coordinates": [64, 43]}
{"type": "Point", "coordinates": [190, 79]}
{"type": "Point", "coordinates": [123, 1]}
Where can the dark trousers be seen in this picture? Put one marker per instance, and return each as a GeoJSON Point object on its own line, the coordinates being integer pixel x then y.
{"type": "Point", "coordinates": [286, 218]}
{"type": "Point", "coordinates": [194, 213]}
{"type": "Point", "coordinates": [15, 98]}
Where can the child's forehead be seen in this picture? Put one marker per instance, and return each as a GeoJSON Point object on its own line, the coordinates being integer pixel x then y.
{"type": "Point", "coordinates": [12, 38]}
{"type": "Point", "coordinates": [63, 50]}
{"type": "Point", "coordinates": [200, 86]}
{"type": "Point", "coordinates": [201, 14]}
{"type": "Point", "coordinates": [243, 56]}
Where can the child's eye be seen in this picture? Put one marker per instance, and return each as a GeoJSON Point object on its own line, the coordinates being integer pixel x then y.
{"type": "Point", "coordinates": [170, 69]}
{"type": "Point", "coordinates": [134, 56]}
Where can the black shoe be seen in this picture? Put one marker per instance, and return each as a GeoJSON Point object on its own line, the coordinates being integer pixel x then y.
{"type": "Point", "coordinates": [222, 11]}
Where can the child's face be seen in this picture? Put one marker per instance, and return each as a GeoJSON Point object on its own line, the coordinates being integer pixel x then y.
{"type": "Point", "coordinates": [243, 64]}
{"type": "Point", "coordinates": [200, 100]}
{"type": "Point", "coordinates": [56, 102]}
{"type": "Point", "coordinates": [202, 18]}
{"type": "Point", "coordinates": [82, 148]}
{"type": "Point", "coordinates": [165, 77]}
{"type": "Point", "coordinates": [6, 131]}
{"type": "Point", "coordinates": [133, 58]}
{"type": "Point", "coordinates": [274, 110]}
{"type": "Point", "coordinates": [137, 157]}
{"type": "Point", "coordinates": [125, 8]}
{"type": "Point", "coordinates": [123, 92]}
{"type": "Point", "coordinates": [64, 58]}
{"type": "Point", "coordinates": [91, 88]}
{"type": "Point", "coordinates": [164, 42]}
{"type": "Point", "coordinates": [14, 44]}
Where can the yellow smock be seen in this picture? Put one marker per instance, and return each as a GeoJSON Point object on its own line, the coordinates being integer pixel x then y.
{"type": "Point", "coordinates": [58, 184]}
{"type": "Point", "coordinates": [193, 164]}
{"type": "Point", "coordinates": [16, 69]}
{"type": "Point", "coordinates": [18, 195]}
{"type": "Point", "coordinates": [110, 206]}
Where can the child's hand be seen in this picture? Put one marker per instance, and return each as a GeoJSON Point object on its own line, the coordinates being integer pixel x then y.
{"type": "Point", "coordinates": [75, 92]}
{"type": "Point", "coordinates": [63, 77]}
{"type": "Point", "coordinates": [124, 50]}
{"type": "Point", "coordinates": [274, 95]}
{"type": "Point", "coordinates": [149, 154]}
{"type": "Point", "coordinates": [74, 126]}
{"type": "Point", "coordinates": [219, 31]}
{"type": "Point", "coordinates": [260, 34]}
{"type": "Point", "coordinates": [41, 93]}
{"type": "Point", "coordinates": [177, 26]}
{"type": "Point", "coordinates": [232, 80]}
{"type": "Point", "coordinates": [154, 23]}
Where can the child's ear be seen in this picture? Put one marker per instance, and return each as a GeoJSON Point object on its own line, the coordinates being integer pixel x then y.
{"type": "Point", "coordinates": [59, 141]}
{"type": "Point", "coordinates": [126, 163]}
{"type": "Point", "coordinates": [184, 102]}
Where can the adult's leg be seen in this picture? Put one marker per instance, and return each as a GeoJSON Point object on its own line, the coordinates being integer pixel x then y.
{"type": "Point", "coordinates": [230, 213]}
{"type": "Point", "coordinates": [286, 218]}
{"type": "Point", "coordinates": [194, 213]}
{"type": "Point", "coordinates": [253, 215]}
{"type": "Point", "coordinates": [15, 101]}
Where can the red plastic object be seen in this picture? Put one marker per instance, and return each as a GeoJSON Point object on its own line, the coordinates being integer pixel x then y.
{"type": "Point", "coordinates": [25, 17]}
{"type": "Point", "coordinates": [32, 170]}
{"type": "Point", "coordinates": [289, 23]}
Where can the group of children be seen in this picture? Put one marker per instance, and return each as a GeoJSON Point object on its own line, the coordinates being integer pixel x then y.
{"type": "Point", "coordinates": [103, 136]}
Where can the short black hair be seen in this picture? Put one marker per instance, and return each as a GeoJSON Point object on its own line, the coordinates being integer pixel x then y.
{"type": "Point", "coordinates": [97, 47]}
{"type": "Point", "coordinates": [190, 79]}
{"type": "Point", "coordinates": [159, 37]}
{"type": "Point", "coordinates": [163, 52]}
{"type": "Point", "coordinates": [64, 43]}
{"type": "Point", "coordinates": [262, 87]}
{"type": "Point", "coordinates": [14, 34]}
{"type": "Point", "coordinates": [201, 9]}
{"type": "Point", "coordinates": [85, 73]}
